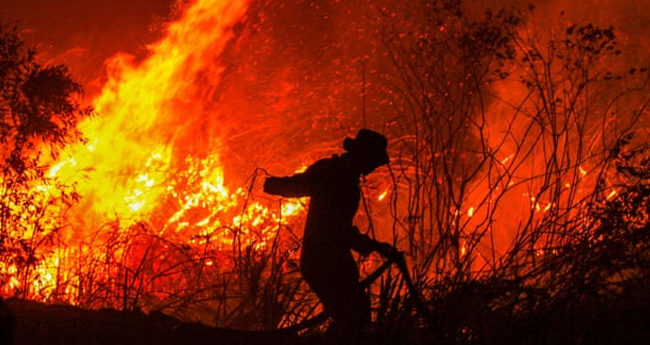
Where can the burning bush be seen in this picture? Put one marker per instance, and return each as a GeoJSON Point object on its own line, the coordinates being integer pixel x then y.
{"type": "Point", "coordinates": [39, 111]}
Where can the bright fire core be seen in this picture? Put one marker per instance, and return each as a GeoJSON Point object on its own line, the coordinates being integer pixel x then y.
{"type": "Point", "coordinates": [149, 161]}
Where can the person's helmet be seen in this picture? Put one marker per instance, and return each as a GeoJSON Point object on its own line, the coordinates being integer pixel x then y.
{"type": "Point", "coordinates": [370, 145]}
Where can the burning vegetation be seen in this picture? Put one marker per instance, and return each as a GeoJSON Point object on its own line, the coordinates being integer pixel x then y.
{"type": "Point", "coordinates": [518, 184]}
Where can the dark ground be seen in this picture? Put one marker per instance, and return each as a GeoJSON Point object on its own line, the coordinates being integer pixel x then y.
{"type": "Point", "coordinates": [38, 324]}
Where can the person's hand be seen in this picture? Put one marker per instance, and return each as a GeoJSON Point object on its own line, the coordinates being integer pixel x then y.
{"type": "Point", "coordinates": [271, 185]}
{"type": "Point", "coordinates": [388, 251]}
{"type": "Point", "coordinates": [268, 184]}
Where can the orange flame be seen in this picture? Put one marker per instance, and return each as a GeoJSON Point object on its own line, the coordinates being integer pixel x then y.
{"type": "Point", "coordinates": [149, 157]}
{"type": "Point", "coordinates": [138, 140]}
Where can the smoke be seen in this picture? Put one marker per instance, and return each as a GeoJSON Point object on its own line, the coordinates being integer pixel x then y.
{"type": "Point", "coordinates": [293, 76]}
{"type": "Point", "coordinates": [292, 82]}
{"type": "Point", "coordinates": [84, 34]}
{"type": "Point", "coordinates": [630, 18]}
{"type": "Point", "coordinates": [280, 88]}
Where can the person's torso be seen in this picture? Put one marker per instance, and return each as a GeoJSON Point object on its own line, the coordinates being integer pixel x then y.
{"type": "Point", "coordinates": [334, 200]}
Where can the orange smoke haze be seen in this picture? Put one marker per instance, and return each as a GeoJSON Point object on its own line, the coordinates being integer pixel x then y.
{"type": "Point", "coordinates": [219, 89]}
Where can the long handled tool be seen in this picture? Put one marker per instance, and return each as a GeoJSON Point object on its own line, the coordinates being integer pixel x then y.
{"type": "Point", "coordinates": [422, 309]}
{"type": "Point", "coordinates": [396, 258]}
{"type": "Point", "coordinates": [189, 331]}
{"type": "Point", "coordinates": [322, 316]}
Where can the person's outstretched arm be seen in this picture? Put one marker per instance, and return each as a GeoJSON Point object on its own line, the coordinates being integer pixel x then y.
{"type": "Point", "coordinates": [295, 186]}
{"type": "Point", "coordinates": [298, 185]}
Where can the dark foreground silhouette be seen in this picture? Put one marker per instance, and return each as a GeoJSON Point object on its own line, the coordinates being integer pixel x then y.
{"type": "Point", "coordinates": [40, 324]}
{"type": "Point", "coordinates": [45, 324]}
{"type": "Point", "coordinates": [6, 324]}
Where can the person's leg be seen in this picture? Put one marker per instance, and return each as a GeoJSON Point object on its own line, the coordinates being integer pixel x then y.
{"type": "Point", "coordinates": [337, 287]}
{"type": "Point", "coordinates": [351, 314]}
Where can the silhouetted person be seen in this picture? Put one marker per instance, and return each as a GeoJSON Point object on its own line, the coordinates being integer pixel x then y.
{"type": "Point", "coordinates": [326, 262]}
